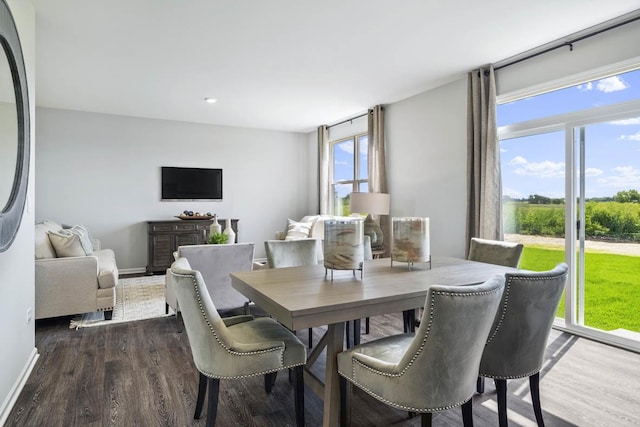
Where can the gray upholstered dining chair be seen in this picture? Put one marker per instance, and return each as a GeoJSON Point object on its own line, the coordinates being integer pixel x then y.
{"type": "Point", "coordinates": [495, 252]}
{"type": "Point", "coordinates": [518, 337]}
{"type": "Point", "coordinates": [436, 368]}
{"type": "Point", "coordinates": [234, 347]}
{"type": "Point", "coordinates": [292, 253]}
{"type": "Point", "coordinates": [214, 262]}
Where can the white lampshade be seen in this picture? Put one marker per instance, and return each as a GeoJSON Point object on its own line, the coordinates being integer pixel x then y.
{"type": "Point", "coordinates": [369, 203]}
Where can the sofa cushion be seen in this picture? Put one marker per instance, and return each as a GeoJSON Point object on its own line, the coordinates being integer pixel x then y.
{"type": "Point", "coordinates": [66, 244]}
{"type": "Point", "coordinates": [297, 230]}
{"type": "Point", "coordinates": [107, 269]}
{"type": "Point", "coordinates": [43, 248]}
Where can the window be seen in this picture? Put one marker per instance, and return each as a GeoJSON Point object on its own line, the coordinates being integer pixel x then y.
{"type": "Point", "coordinates": [569, 159]}
{"type": "Point", "coordinates": [349, 170]}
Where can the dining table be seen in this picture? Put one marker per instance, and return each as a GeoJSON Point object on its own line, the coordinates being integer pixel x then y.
{"type": "Point", "coordinates": [308, 296]}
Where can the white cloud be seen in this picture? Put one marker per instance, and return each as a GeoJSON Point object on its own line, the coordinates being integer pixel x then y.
{"type": "Point", "coordinates": [585, 87]}
{"type": "Point", "coordinates": [518, 160]}
{"type": "Point", "coordinates": [634, 121]}
{"type": "Point", "coordinates": [593, 172]}
{"type": "Point", "coordinates": [623, 178]}
{"type": "Point", "coordinates": [502, 150]}
{"type": "Point", "coordinates": [611, 84]}
{"type": "Point", "coordinates": [633, 137]}
{"type": "Point", "coordinates": [347, 147]}
{"type": "Point", "coordinates": [341, 163]}
{"type": "Point", "coordinates": [514, 194]}
{"type": "Point", "coordinates": [544, 169]}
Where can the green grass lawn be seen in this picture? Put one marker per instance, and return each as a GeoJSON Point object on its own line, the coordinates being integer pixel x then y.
{"type": "Point", "coordinates": [612, 289]}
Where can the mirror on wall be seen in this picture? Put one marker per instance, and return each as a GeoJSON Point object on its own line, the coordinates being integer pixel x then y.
{"type": "Point", "coordinates": [8, 133]}
{"type": "Point", "coordinates": [14, 130]}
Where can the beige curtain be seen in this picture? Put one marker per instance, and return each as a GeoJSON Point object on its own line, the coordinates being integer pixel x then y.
{"type": "Point", "coordinates": [324, 193]}
{"type": "Point", "coordinates": [377, 165]}
{"type": "Point", "coordinates": [484, 192]}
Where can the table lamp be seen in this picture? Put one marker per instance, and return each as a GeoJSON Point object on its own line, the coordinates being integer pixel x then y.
{"type": "Point", "coordinates": [371, 204]}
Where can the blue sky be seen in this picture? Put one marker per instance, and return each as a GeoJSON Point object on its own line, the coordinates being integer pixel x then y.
{"type": "Point", "coordinates": [536, 164]}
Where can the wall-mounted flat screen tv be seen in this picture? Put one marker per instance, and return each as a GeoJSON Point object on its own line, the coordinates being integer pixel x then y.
{"type": "Point", "coordinates": [191, 183]}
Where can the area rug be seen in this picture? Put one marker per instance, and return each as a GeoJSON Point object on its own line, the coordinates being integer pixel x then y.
{"type": "Point", "coordinates": [137, 298]}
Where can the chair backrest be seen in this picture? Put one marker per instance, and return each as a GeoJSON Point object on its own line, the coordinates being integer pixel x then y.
{"type": "Point", "coordinates": [495, 252]}
{"type": "Point", "coordinates": [212, 344]}
{"type": "Point", "coordinates": [215, 262]}
{"type": "Point", "coordinates": [443, 358]}
{"type": "Point", "coordinates": [518, 338]}
{"type": "Point", "coordinates": [291, 253]}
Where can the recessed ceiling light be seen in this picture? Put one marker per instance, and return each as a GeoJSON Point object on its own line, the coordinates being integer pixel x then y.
{"type": "Point", "coordinates": [211, 100]}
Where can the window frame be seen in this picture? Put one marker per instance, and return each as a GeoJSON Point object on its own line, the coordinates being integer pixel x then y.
{"type": "Point", "coordinates": [355, 182]}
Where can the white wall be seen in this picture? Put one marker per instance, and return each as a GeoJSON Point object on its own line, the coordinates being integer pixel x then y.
{"type": "Point", "coordinates": [103, 171]}
{"type": "Point", "coordinates": [426, 163]}
{"type": "Point", "coordinates": [17, 352]}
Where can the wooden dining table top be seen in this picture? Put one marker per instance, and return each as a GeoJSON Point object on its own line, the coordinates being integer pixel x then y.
{"type": "Point", "coordinates": [303, 297]}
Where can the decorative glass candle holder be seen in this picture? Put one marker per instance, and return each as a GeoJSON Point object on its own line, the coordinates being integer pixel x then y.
{"type": "Point", "coordinates": [344, 244]}
{"type": "Point", "coordinates": [410, 240]}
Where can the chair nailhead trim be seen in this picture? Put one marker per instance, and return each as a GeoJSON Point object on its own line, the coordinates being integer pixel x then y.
{"type": "Point", "coordinates": [503, 312]}
{"type": "Point", "coordinates": [415, 356]}
{"type": "Point", "coordinates": [408, 408]}
{"type": "Point", "coordinates": [227, 349]}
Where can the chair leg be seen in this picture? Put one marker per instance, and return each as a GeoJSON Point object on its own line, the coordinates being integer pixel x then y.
{"type": "Point", "coordinates": [166, 308]}
{"type": "Point", "coordinates": [310, 337]}
{"type": "Point", "coordinates": [534, 384]}
{"type": "Point", "coordinates": [480, 385]}
{"type": "Point", "coordinates": [467, 413]}
{"type": "Point", "coordinates": [356, 332]}
{"type": "Point", "coordinates": [425, 419]}
{"type": "Point", "coordinates": [179, 322]}
{"type": "Point", "coordinates": [501, 388]}
{"type": "Point", "coordinates": [269, 381]}
{"type": "Point", "coordinates": [202, 390]}
{"type": "Point", "coordinates": [212, 404]}
{"type": "Point", "coordinates": [299, 399]}
{"type": "Point", "coordinates": [346, 390]}
{"type": "Point", "coordinates": [347, 331]}
{"type": "Point", "coordinates": [366, 325]}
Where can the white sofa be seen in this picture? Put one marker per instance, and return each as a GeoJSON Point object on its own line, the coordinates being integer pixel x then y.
{"type": "Point", "coordinates": [73, 275]}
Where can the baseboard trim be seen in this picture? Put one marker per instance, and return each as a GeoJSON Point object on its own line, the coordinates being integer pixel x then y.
{"type": "Point", "coordinates": [15, 391]}
{"type": "Point", "coordinates": [136, 270]}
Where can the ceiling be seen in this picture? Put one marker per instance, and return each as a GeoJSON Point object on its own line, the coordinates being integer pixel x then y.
{"type": "Point", "coordinates": [288, 65]}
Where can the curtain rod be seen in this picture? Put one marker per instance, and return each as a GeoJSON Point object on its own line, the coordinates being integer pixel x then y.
{"type": "Point", "coordinates": [348, 120]}
{"type": "Point", "coordinates": [567, 43]}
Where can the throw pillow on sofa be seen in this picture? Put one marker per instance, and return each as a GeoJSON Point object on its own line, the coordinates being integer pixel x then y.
{"type": "Point", "coordinates": [297, 230]}
{"type": "Point", "coordinates": [71, 242]}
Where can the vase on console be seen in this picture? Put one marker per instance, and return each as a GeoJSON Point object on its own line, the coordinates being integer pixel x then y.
{"type": "Point", "coordinates": [215, 227]}
{"type": "Point", "coordinates": [229, 231]}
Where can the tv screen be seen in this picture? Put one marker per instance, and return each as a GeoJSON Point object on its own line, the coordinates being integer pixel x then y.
{"type": "Point", "coordinates": [191, 183]}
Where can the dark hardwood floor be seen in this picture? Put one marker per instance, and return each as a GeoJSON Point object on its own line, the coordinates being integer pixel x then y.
{"type": "Point", "coordinates": [142, 374]}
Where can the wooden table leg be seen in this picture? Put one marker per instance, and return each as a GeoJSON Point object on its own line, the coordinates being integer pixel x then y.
{"type": "Point", "coordinates": [331, 410]}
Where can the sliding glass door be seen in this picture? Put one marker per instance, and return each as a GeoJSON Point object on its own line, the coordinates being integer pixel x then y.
{"type": "Point", "coordinates": [606, 178]}
{"type": "Point", "coordinates": [571, 192]}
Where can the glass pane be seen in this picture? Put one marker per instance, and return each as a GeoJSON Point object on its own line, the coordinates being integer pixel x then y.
{"type": "Point", "coordinates": [341, 194]}
{"type": "Point", "coordinates": [610, 90]}
{"type": "Point", "coordinates": [533, 170]}
{"type": "Point", "coordinates": [363, 156]}
{"type": "Point", "coordinates": [612, 226]}
{"type": "Point", "coordinates": [343, 161]}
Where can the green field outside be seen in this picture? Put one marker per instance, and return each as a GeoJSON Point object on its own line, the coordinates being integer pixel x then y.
{"type": "Point", "coordinates": [612, 289]}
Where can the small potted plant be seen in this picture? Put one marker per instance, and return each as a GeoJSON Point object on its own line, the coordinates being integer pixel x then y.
{"type": "Point", "coordinates": [217, 238]}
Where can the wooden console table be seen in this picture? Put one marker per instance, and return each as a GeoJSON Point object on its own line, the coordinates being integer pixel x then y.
{"type": "Point", "coordinates": [164, 237]}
